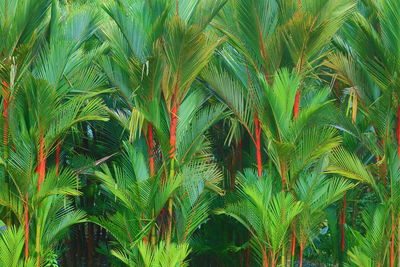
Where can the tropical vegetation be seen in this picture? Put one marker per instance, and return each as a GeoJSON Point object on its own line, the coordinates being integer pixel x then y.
{"type": "Point", "coordinates": [200, 133]}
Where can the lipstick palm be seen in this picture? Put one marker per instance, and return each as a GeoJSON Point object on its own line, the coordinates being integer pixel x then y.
{"type": "Point", "coordinates": [48, 119]}
{"type": "Point", "coordinates": [253, 30]}
{"type": "Point", "coordinates": [317, 192]}
{"type": "Point", "coordinates": [139, 200]}
{"type": "Point", "coordinates": [295, 145]}
{"type": "Point", "coordinates": [386, 211]}
{"type": "Point", "coordinates": [21, 26]}
{"type": "Point", "coordinates": [134, 68]}
{"type": "Point", "coordinates": [42, 216]}
{"type": "Point", "coordinates": [185, 49]}
{"type": "Point", "coordinates": [309, 32]}
{"type": "Point", "coordinates": [52, 91]}
{"type": "Point", "coordinates": [376, 81]}
{"type": "Point", "coordinates": [266, 212]}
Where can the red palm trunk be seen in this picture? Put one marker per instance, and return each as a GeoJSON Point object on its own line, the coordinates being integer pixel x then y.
{"type": "Point", "coordinates": [296, 105]}
{"type": "Point", "coordinates": [172, 136]}
{"type": "Point", "coordinates": [301, 255]}
{"type": "Point", "coordinates": [258, 145]}
{"type": "Point", "coordinates": [26, 226]}
{"type": "Point", "coordinates": [256, 120]}
{"type": "Point", "coordinates": [392, 256]}
{"type": "Point", "coordinates": [42, 162]}
{"type": "Point", "coordinates": [293, 251]}
{"type": "Point", "coordinates": [265, 257]}
{"type": "Point", "coordinates": [265, 260]}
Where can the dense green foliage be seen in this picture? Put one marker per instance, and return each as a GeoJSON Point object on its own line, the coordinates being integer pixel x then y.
{"type": "Point", "coordinates": [200, 133]}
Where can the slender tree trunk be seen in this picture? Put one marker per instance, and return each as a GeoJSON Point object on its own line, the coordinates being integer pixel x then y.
{"type": "Point", "coordinates": [283, 173]}
{"type": "Point", "coordinates": [150, 147]}
{"type": "Point", "coordinates": [258, 145]}
{"type": "Point", "coordinates": [173, 127]}
{"type": "Point", "coordinates": [293, 251]}
{"type": "Point", "coordinates": [172, 143]}
{"type": "Point", "coordinates": [265, 258]}
{"type": "Point", "coordinates": [38, 241]}
{"type": "Point", "coordinates": [256, 119]}
{"type": "Point", "coordinates": [42, 162]}
{"type": "Point", "coordinates": [259, 164]}
{"type": "Point", "coordinates": [296, 106]}
{"type": "Point", "coordinates": [301, 255]}
{"type": "Point", "coordinates": [42, 172]}
{"type": "Point", "coordinates": [26, 225]}
{"type": "Point", "coordinates": [354, 108]}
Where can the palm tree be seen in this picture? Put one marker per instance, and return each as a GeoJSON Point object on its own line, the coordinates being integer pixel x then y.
{"type": "Point", "coordinates": [374, 84]}
{"type": "Point", "coordinates": [350, 166]}
{"type": "Point", "coordinates": [139, 199]}
{"type": "Point", "coordinates": [185, 50]}
{"type": "Point", "coordinates": [134, 68]}
{"type": "Point", "coordinates": [317, 192]}
{"type": "Point", "coordinates": [48, 212]}
{"type": "Point", "coordinates": [20, 33]}
{"type": "Point", "coordinates": [266, 212]}
{"type": "Point", "coordinates": [126, 120]}
{"type": "Point", "coordinates": [52, 92]}
{"type": "Point", "coordinates": [260, 33]}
